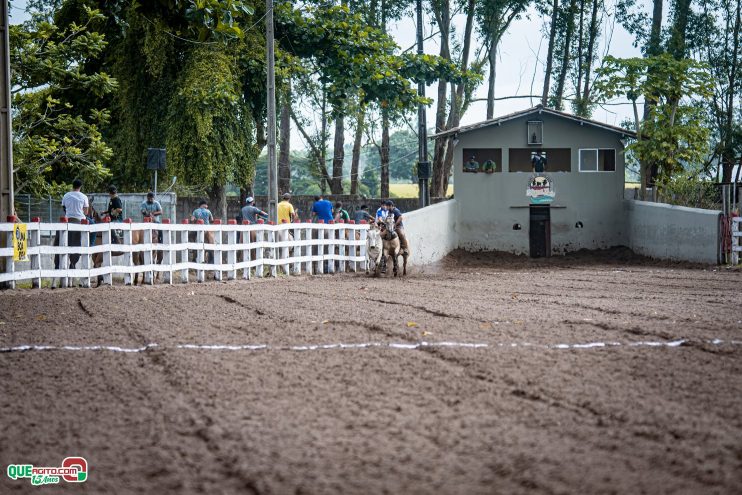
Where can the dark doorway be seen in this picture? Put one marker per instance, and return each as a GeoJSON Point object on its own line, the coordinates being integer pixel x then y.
{"type": "Point", "coordinates": [539, 231]}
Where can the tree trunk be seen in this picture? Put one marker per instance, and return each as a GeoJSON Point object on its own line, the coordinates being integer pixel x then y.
{"type": "Point", "coordinates": [654, 48]}
{"type": "Point", "coordinates": [565, 55]}
{"type": "Point", "coordinates": [284, 156]}
{"type": "Point", "coordinates": [323, 145]}
{"type": "Point", "coordinates": [728, 163]}
{"type": "Point", "coordinates": [492, 74]}
{"type": "Point", "coordinates": [338, 156]}
{"type": "Point", "coordinates": [580, 65]}
{"type": "Point", "coordinates": [384, 154]}
{"type": "Point", "coordinates": [550, 54]}
{"type": "Point", "coordinates": [218, 197]}
{"type": "Point", "coordinates": [360, 124]}
{"type": "Point", "coordinates": [592, 36]}
{"type": "Point", "coordinates": [443, 19]}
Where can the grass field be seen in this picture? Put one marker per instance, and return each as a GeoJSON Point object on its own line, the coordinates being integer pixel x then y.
{"type": "Point", "coordinates": [410, 190]}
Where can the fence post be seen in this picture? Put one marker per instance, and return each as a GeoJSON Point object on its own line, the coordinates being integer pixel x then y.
{"type": "Point", "coordinates": [85, 255]}
{"type": "Point", "coordinates": [232, 252]}
{"type": "Point", "coordinates": [297, 250]}
{"type": "Point", "coordinates": [246, 240]}
{"type": "Point", "coordinates": [364, 232]}
{"type": "Point", "coordinates": [321, 246]}
{"type": "Point", "coordinates": [217, 257]}
{"type": "Point", "coordinates": [331, 235]}
{"type": "Point", "coordinates": [200, 274]}
{"type": "Point", "coordinates": [259, 237]}
{"type": "Point", "coordinates": [64, 259]}
{"type": "Point", "coordinates": [285, 250]}
{"type": "Point", "coordinates": [735, 240]}
{"type": "Point", "coordinates": [10, 262]}
{"type": "Point", "coordinates": [128, 255]}
{"type": "Point", "coordinates": [309, 248]}
{"type": "Point", "coordinates": [34, 240]}
{"type": "Point", "coordinates": [273, 252]}
{"type": "Point", "coordinates": [184, 255]}
{"type": "Point", "coordinates": [107, 255]}
{"type": "Point", "coordinates": [167, 252]}
{"type": "Point", "coordinates": [147, 254]}
{"type": "Point", "coordinates": [342, 237]}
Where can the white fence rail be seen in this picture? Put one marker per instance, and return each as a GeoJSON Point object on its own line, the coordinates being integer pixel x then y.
{"type": "Point", "coordinates": [736, 239]}
{"type": "Point", "coordinates": [228, 251]}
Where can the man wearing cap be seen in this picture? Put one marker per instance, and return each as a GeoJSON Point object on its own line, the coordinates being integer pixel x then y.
{"type": "Point", "coordinates": [250, 212]}
{"type": "Point", "coordinates": [286, 210]}
{"type": "Point", "coordinates": [152, 209]}
{"type": "Point", "coordinates": [115, 206]}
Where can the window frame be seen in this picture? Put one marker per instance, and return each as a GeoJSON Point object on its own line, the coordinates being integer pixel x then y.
{"type": "Point", "coordinates": [528, 129]}
{"type": "Point", "coordinates": [597, 160]}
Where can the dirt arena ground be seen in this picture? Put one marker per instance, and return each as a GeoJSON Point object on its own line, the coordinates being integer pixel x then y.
{"type": "Point", "coordinates": [595, 373]}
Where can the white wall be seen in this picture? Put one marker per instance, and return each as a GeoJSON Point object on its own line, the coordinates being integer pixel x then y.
{"type": "Point", "coordinates": [432, 232]}
{"type": "Point", "coordinates": [665, 231]}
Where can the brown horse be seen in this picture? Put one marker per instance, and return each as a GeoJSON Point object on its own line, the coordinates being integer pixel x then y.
{"type": "Point", "coordinates": [137, 237]}
{"type": "Point", "coordinates": [391, 246]}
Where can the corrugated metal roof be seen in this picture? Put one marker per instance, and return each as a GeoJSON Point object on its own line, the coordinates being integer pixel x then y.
{"type": "Point", "coordinates": [537, 109]}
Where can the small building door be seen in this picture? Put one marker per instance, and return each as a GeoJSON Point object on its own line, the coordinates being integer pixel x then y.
{"type": "Point", "coordinates": [539, 231]}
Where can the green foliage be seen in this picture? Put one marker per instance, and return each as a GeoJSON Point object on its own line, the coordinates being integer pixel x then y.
{"type": "Point", "coordinates": [208, 126]}
{"type": "Point", "coordinates": [370, 179]}
{"type": "Point", "coordinates": [56, 138]}
{"type": "Point", "coordinates": [674, 133]}
{"type": "Point", "coordinates": [689, 189]}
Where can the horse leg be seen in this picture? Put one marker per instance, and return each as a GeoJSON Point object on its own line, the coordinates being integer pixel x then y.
{"type": "Point", "coordinates": [395, 263]}
{"type": "Point", "coordinates": [404, 263]}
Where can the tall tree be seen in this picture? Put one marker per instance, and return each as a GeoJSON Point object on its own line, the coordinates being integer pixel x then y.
{"type": "Point", "coordinates": [284, 155]}
{"type": "Point", "coordinates": [566, 53]}
{"type": "Point", "coordinates": [550, 53]}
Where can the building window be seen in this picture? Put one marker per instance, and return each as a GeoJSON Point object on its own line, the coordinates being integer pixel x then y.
{"type": "Point", "coordinates": [488, 160]}
{"type": "Point", "coordinates": [535, 132]}
{"type": "Point", "coordinates": [557, 159]}
{"type": "Point", "coordinates": [597, 160]}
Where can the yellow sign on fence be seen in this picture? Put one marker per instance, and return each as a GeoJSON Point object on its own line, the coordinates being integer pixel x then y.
{"type": "Point", "coordinates": [20, 242]}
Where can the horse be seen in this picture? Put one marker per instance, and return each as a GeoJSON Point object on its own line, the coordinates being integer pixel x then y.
{"type": "Point", "coordinates": [137, 237]}
{"type": "Point", "coordinates": [374, 249]}
{"type": "Point", "coordinates": [391, 245]}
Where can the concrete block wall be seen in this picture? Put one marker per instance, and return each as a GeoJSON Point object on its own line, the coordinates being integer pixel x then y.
{"type": "Point", "coordinates": [671, 232]}
{"type": "Point", "coordinates": [432, 232]}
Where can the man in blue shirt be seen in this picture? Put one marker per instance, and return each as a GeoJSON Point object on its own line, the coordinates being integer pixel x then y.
{"type": "Point", "coordinates": [322, 209]}
{"type": "Point", "coordinates": [202, 213]}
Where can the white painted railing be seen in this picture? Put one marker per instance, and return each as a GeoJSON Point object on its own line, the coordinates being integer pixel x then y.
{"type": "Point", "coordinates": [736, 239]}
{"type": "Point", "coordinates": [240, 251]}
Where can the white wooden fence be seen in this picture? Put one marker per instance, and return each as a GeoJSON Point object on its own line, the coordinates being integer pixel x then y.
{"type": "Point", "coordinates": [238, 251]}
{"type": "Point", "coordinates": [736, 239]}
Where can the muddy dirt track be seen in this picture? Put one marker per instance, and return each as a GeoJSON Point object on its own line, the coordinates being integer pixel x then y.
{"type": "Point", "coordinates": [648, 401]}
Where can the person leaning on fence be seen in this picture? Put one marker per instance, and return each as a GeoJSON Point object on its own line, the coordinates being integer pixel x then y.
{"type": "Point", "coordinates": [250, 212]}
{"type": "Point", "coordinates": [339, 213]}
{"type": "Point", "coordinates": [321, 209]}
{"type": "Point", "coordinates": [115, 210]}
{"type": "Point", "coordinates": [76, 206]}
{"type": "Point", "coordinates": [152, 208]}
{"type": "Point", "coordinates": [363, 215]}
{"type": "Point", "coordinates": [286, 211]}
{"type": "Point", "coordinates": [202, 213]}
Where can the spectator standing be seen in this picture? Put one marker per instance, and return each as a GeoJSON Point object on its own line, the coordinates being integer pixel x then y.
{"type": "Point", "coordinates": [115, 206]}
{"type": "Point", "coordinates": [250, 212]}
{"type": "Point", "coordinates": [202, 213]}
{"type": "Point", "coordinates": [286, 210]}
{"type": "Point", "coordinates": [363, 214]}
{"type": "Point", "coordinates": [152, 208]}
{"type": "Point", "coordinates": [322, 209]}
{"type": "Point", "coordinates": [76, 206]}
{"type": "Point", "coordinates": [339, 213]}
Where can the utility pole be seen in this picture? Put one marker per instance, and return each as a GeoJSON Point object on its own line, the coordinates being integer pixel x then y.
{"type": "Point", "coordinates": [6, 129]}
{"type": "Point", "coordinates": [423, 165]}
{"type": "Point", "coordinates": [271, 86]}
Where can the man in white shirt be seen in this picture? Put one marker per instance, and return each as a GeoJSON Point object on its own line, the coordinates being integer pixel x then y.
{"type": "Point", "coordinates": [76, 206]}
{"type": "Point", "coordinates": [75, 203]}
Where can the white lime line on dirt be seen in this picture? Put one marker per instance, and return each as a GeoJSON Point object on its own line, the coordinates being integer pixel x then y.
{"type": "Point", "coordinates": [362, 345]}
